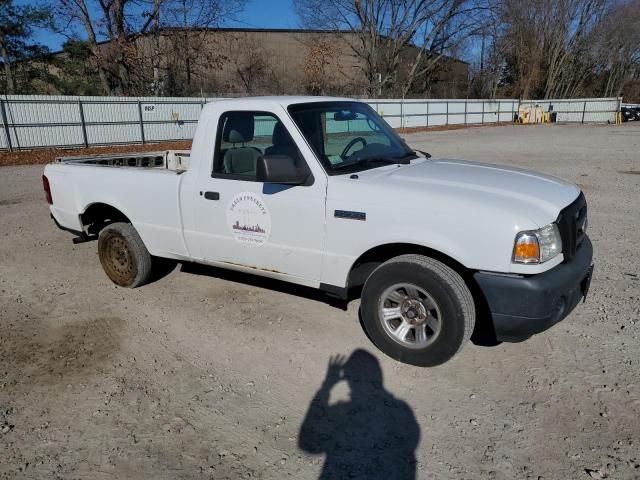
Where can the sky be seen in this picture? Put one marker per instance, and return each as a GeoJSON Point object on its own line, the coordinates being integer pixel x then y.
{"type": "Point", "coordinates": [257, 14]}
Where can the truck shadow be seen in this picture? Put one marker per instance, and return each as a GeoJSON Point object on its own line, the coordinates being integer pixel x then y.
{"type": "Point", "coordinates": [161, 267]}
{"type": "Point", "coordinates": [268, 284]}
{"type": "Point", "coordinates": [373, 435]}
{"type": "Point", "coordinates": [483, 333]}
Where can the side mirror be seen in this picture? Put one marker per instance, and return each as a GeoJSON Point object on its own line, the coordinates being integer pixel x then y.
{"type": "Point", "coordinates": [280, 169]}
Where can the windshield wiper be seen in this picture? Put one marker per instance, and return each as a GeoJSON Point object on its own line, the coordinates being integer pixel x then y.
{"type": "Point", "coordinates": [416, 154]}
{"type": "Point", "coordinates": [366, 161]}
{"type": "Point", "coordinates": [401, 160]}
{"type": "Point", "coordinates": [426, 154]}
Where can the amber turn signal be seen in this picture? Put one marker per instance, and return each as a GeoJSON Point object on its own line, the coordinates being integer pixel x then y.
{"type": "Point", "coordinates": [526, 248]}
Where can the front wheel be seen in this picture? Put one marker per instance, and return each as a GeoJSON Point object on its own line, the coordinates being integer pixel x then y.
{"type": "Point", "coordinates": [417, 310]}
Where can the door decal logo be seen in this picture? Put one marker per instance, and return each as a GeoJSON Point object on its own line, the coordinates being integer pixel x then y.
{"type": "Point", "coordinates": [248, 219]}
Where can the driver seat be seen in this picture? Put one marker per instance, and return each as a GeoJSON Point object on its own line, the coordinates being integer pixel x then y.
{"type": "Point", "coordinates": [283, 144]}
{"type": "Point", "coordinates": [239, 128]}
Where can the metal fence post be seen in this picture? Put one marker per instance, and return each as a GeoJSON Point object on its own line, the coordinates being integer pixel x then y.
{"type": "Point", "coordinates": [466, 101]}
{"type": "Point", "coordinates": [447, 116]}
{"type": "Point", "coordinates": [427, 114]}
{"type": "Point", "coordinates": [482, 118]}
{"type": "Point", "coordinates": [141, 121]}
{"type": "Point", "coordinates": [6, 125]}
{"type": "Point", "coordinates": [584, 108]}
{"type": "Point", "coordinates": [84, 126]}
{"type": "Point", "coordinates": [402, 114]}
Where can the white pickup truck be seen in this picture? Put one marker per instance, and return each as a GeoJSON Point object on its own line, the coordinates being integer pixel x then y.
{"type": "Point", "coordinates": [322, 192]}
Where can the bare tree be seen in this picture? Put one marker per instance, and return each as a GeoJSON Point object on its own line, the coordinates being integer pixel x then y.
{"type": "Point", "coordinates": [248, 63]}
{"type": "Point", "coordinates": [158, 82]}
{"type": "Point", "coordinates": [565, 48]}
{"type": "Point", "coordinates": [114, 29]}
{"type": "Point", "coordinates": [391, 34]}
{"type": "Point", "coordinates": [566, 43]}
{"type": "Point", "coordinates": [321, 64]}
{"type": "Point", "coordinates": [446, 25]}
{"type": "Point", "coordinates": [618, 50]}
{"type": "Point", "coordinates": [190, 22]}
{"type": "Point", "coordinates": [118, 22]}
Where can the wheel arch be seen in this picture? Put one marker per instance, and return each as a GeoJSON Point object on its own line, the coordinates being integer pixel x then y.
{"type": "Point", "coordinates": [375, 256]}
{"type": "Point", "coordinates": [99, 214]}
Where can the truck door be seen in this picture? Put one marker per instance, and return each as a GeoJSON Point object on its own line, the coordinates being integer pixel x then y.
{"type": "Point", "coordinates": [278, 228]}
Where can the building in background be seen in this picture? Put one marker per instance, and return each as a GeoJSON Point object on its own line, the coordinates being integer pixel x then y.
{"type": "Point", "coordinates": [246, 61]}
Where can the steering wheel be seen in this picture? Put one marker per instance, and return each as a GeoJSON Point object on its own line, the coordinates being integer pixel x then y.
{"type": "Point", "coordinates": [373, 125]}
{"type": "Point", "coordinates": [351, 144]}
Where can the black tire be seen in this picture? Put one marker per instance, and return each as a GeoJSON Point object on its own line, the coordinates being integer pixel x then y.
{"type": "Point", "coordinates": [123, 256]}
{"type": "Point", "coordinates": [447, 291]}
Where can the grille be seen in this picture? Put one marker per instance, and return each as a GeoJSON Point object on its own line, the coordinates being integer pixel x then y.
{"type": "Point", "coordinates": [572, 223]}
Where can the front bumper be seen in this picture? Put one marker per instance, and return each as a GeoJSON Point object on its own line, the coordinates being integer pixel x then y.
{"type": "Point", "coordinates": [522, 306]}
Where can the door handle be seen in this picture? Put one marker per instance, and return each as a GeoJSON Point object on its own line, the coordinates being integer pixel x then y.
{"type": "Point", "coordinates": [212, 195]}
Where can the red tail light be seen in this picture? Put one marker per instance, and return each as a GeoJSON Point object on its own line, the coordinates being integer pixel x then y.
{"type": "Point", "coordinates": [47, 189]}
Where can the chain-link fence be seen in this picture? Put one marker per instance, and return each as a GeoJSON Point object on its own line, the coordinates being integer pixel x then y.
{"type": "Point", "coordinates": [38, 121]}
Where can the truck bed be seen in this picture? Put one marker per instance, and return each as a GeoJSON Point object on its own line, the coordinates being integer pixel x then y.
{"type": "Point", "coordinates": [176, 160]}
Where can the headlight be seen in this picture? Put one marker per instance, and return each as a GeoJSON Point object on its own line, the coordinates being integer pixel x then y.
{"type": "Point", "coordinates": [537, 246]}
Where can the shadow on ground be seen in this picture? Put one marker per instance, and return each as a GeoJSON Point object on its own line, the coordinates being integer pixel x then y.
{"type": "Point", "coordinates": [267, 283]}
{"type": "Point", "coordinates": [371, 436]}
{"type": "Point", "coordinates": [483, 334]}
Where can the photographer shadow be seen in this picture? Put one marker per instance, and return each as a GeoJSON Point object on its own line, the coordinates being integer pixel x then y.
{"type": "Point", "coordinates": [372, 436]}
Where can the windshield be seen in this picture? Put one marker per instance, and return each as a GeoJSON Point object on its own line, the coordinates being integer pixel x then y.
{"type": "Point", "coordinates": [349, 136]}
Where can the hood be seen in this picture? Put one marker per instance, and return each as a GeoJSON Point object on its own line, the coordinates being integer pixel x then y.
{"type": "Point", "coordinates": [521, 192]}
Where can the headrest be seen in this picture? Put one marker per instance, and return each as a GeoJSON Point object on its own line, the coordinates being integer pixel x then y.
{"type": "Point", "coordinates": [280, 135]}
{"type": "Point", "coordinates": [238, 128]}
{"type": "Point", "coordinates": [235, 136]}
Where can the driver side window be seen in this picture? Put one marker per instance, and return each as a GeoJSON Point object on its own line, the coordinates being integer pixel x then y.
{"type": "Point", "coordinates": [244, 137]}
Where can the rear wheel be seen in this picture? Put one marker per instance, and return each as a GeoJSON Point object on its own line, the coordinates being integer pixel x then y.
{"type": "Point", "coordinates": [123, 256]}
{"type": "Point", "coordinates": [417, 310]}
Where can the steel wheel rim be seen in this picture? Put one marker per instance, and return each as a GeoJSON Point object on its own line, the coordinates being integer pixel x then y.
{"type": "Point", "coordinates": [409, 315]}
{"type": "Point", "coordinates": [117, 260]}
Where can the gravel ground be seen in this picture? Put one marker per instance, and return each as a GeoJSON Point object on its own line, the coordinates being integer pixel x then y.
{"type": "Point", "coordinates": [204, 374]}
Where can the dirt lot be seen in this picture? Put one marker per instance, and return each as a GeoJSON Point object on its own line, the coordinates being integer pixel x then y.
{"type": "Point", "coordinates": [206, 375]}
